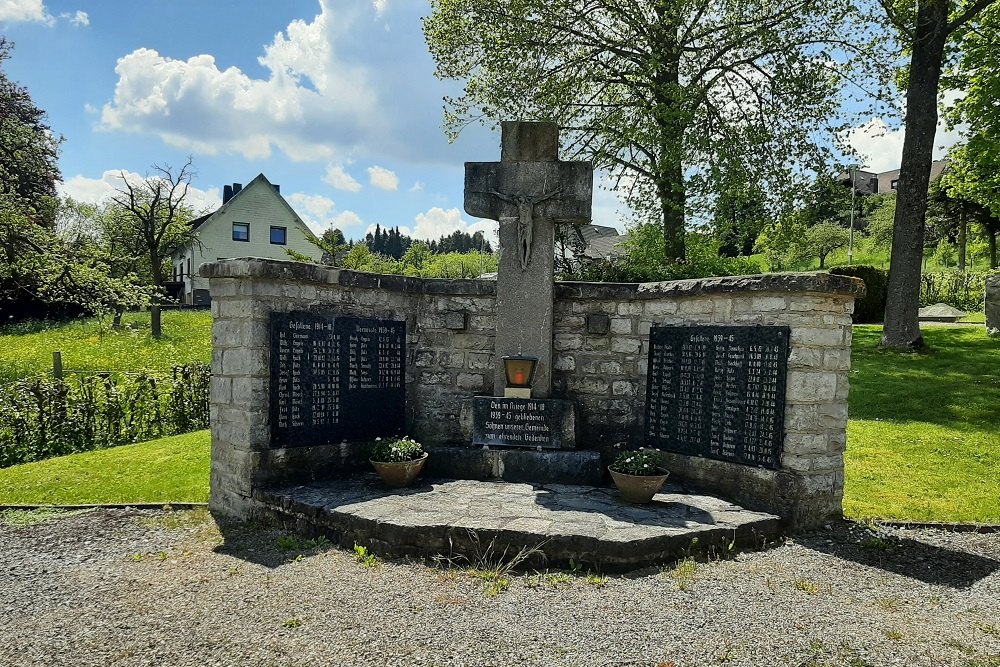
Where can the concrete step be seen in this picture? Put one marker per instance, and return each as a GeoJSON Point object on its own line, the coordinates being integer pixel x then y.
{"type": "Point", "coordinates": [559, 466]}
{"type": "Point", "coordinates": [468, 520]}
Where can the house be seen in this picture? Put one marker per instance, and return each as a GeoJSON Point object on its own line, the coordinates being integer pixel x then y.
{"type": "Point", "coordinates": [253, 221]}
{"type": "Point", "coordinates": [870, 182]}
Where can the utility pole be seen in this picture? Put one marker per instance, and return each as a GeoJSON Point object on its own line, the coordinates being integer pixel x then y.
{"type": "Point", "coordinates": [854, 191]}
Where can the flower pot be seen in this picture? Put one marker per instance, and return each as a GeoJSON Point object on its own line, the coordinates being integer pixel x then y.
{"type": "Point", "coordinates": [638, 488]}
{"type": "Point", "coordinates": [399, 474]}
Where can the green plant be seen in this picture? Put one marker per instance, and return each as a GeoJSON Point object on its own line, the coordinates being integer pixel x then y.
{"type": "Point", "coordinates": [871, 308]}
{"type": "Point", "coordinates": [292, 623]}
{"type": "Point", "coordinates": [296, 543]}
{"type": "Point", "coordinates": [596, 580]}
{"type": "Point", "coordinates": [364, 556]}
{"type": "Point", "coordinates": [684, 573]}
{"type": "Point", "coordinates": [806, 586]}
{"type": "Point", "coordinates": [640, 461]}
{"type": "Point", "coordinates": [396, 450]}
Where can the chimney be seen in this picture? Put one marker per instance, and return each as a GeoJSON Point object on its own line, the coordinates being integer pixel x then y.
{"type": "Point", "coordinates": [227, 193]}
{"type": "Point", "coordinates": [236, 188]}
{"type": "Point", "coordinates": [277, 188]}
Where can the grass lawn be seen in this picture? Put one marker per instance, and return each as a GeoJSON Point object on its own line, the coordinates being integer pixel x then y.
{"type": "Point", "coordinates": [86, 345]}
{"type": "Point", "coordinates": [923, 442]}
{"type": "Point", "coordinates": [169, 469]}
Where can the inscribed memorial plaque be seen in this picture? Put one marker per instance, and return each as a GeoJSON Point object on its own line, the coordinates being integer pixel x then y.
{"type": "Point", "coordinates": [335, 378]}
{"type": "Point", "coordinates": [718, 392]}
{"type": "Point", "coordinates": [520, 422]}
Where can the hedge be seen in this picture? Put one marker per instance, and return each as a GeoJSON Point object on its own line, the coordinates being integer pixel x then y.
{"type": "Point", "coordinates": [870, 309]}
{"type": "Point", "coordinates": [41, 417]}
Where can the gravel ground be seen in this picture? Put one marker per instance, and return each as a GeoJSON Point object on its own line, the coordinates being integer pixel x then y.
{"type": "Point", "coordinates": [128, 587]}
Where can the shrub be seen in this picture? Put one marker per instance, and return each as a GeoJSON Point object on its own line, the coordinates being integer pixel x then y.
{"type": "Point", "coordinates": [871, 308]}
{"type": "Point", "coordinates": [395, 450]}
{"type": "Point", "coordinates": [638, 462]}
{"type": "Point", "coordinates": [42, 417]}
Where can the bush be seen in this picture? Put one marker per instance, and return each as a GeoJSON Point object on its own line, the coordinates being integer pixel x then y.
{"type": "Point", "coordinates": [644, 262]}
{"type": "Point", "coordinates": [42, 417]}
{"type": "Point", "coordinates": [638, 462]}
{"type": "Point", "coordinates": [395, 450]}
{"type": "Point", "coordinates": [966, 291]}
{"type": "Point", "coordinates": [871, 308]}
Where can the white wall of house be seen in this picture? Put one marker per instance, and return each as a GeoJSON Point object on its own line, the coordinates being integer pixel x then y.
{"type": "Point", "coordinates": [261, 207]}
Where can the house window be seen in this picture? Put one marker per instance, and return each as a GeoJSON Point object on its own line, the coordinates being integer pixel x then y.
{"type": "Point", "coordinates": [279, 235]}
{"type": "Point", "coordinates": [894, 184]}
{"type": "Point", "coordinates": [241, 231]}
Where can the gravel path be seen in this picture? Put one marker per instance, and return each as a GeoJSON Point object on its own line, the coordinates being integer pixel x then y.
{"type": "Point", "coordinates": [129, 587]}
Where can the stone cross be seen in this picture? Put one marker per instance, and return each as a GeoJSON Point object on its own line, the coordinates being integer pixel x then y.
{"type": "Point", "coordinates": [527, 192]}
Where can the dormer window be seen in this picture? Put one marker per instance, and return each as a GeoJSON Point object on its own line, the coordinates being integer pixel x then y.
{"type": "Point", "coordinates": [241, 231]}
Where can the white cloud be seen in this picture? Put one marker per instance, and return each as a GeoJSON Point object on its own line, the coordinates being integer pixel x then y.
{"type": "Point", "coordinates": [313, 209]}
{"type": "Point", "coordinates": [80, 19]}
{"type": "Point", "coordinates": [417, 187]}
{"type": "Point", "coordinates": [382, 178]}
{"type": "Point", "coordinates": [311, 106]}
{"type": "Point", "coordinates": [96, 190]}
{"type": "Point", "coordinates": [380, 6]}
{"type": "Point", "coordinates": [17, 11]}
{"type": "Point", "coordinates": [347, 222]}
{"type": "Point", "coordinates": [881, 146]}
{"type": "Point", "coordinates": [340, 179]}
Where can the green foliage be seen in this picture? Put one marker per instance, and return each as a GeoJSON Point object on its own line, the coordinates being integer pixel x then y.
{"type": "Point", "coordinates": [172, 469]}
{"type": "Point", "coordinates": [823, 238]}
{"type": "Point", "coordinates": [661, 95]}
{"type": "Point", "coordinates": [871, 308]}
{"type": "Point", "coordinates": [421, 264]}
{"type": "Point", "coordinates": [945, 253]}
{"type": "Point", "coordinates": [881, 218]}
{"type": "Point", "coordinates": [43, 417]}
{"type": "Point", "coordinates": [645, 261]}
{"type": "Point", "coordinates": [963, 290]}
{"type": "Point", "coordinates": [781, 242]}
{"type": "Point", "coordinates": [365, 557]}
{"type": "Point", "coordinates": [394, 450]}
{"type": "Point", "coordinates": [640, 461]}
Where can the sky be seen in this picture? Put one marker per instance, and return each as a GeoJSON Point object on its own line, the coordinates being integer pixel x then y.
{"type": "Point", "coordinates": [335, 100]}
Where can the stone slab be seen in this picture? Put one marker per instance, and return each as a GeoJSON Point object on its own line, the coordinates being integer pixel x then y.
{"type": "Point", "coordinates": [462, 519]}
{"type": "Point", "coordinates": [940, 312]}
{"type": "Point", "coordinates": [517, 465]}
{"type": "Point", "coordinates": [993, 304]}
{"type": "Point", "coordinates": [549, 423]}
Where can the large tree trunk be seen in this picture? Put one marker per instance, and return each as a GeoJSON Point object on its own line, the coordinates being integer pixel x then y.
{"type": "Point", "coordinates": [669, 113]}
{"type": "Point", "coordinates": [902, 329]}
{"type": "Point", "coordinates": [672, 198]}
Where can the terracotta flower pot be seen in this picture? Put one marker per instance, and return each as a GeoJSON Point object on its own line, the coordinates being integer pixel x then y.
{"type": "Point", "coordinates": [399, 474]}
{"type": "Point", "coordinates": [638, 488]}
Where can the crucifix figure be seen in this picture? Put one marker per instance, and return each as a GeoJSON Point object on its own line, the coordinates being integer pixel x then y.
{"type": "Point", "coordinates": [525, 221]}
{"type": "Point", "coordinates": [528, 192]}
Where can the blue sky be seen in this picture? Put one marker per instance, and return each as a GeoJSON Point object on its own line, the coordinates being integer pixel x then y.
{"type": "Point", "coordinates": [335, 100]}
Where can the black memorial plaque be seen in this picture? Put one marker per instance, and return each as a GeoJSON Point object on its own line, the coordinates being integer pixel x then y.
{"type": "Point", "coordinates": [335, 378]}
{"type": "Point", "coordinates": [718, 392]}
{"type": "Point", "coordinates": [519, 422]}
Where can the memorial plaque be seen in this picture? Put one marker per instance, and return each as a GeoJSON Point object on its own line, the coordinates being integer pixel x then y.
{"type": "Point", "coordinates": [521, 422]}
{"type": "Point", "coordinates": [335, 378]}
{"type": "Point", "coordinates": [718, 392]}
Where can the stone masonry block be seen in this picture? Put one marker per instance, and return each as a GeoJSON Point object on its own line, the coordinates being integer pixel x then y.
{"type": "Point", "coordinates": [564, 341]}
{"type": "Point", "coordinates": [423, 358]}
{"type": "Point", "coordinates": [630, 308]}
{"type": "Point", "coordinates": [451, 359]}
{"type": "Point", "coordinates": [564, 362]}
{"type": "Point", "coordinates": [250, 393]}
{"type": "Point", "coordinates": [588, 385]}
{"type": "Point", "coordinates": [221, 391]}
{"type": "Point", "coordinates": [811, 386]}
{"type": "Point", "coordinates": [627, 345]}
{"type": "Point", "coordinates": [569, 321]}
{"type": "Point", "coordinates": [768, 303]}
{"type": "Point", "coordinates": [435, 378]}
{"type": "Point", "coordinates": [837, 360]}
{"type": "Point", "coordinates": [480, 360]}
{"type": "Point", "coordinates": [249, 361]}
{"type": "Point", "coordinates": [472, 381]}
{"type": "Point", "coordinates": [694, 307]}
{"type": "Point", "coordinates": [805, 357]}
{"type": "Point", "coordinates": [804, 443]}
{"type": "Point", "coordinates": [622, 325]}
{"type": "Point", "coordinates": [456, 321]}
{"type": "Point", "coordinates": [624, 388]}
{"type": "Point", "coordinates": [816, 337]}
{"type": "Point", "coordinates": [598, 324]}
{"type": "Point", "coordinates": [659, 308]}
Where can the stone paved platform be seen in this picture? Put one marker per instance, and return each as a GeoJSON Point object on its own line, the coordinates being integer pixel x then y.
{"type": "Point", "coordinates": [460, 518]}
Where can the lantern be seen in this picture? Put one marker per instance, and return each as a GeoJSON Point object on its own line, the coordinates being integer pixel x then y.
{"type": "Point", "coordinates": [519, 371]}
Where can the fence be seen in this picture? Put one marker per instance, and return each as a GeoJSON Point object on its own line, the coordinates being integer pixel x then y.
{"type": "Point", "coordinates": [43, 416]}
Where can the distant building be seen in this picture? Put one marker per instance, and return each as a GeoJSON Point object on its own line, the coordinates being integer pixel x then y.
{"type": "Point", "coordinates": [871, 183]}
{"type": "Point", "coordinates": [253, 221]}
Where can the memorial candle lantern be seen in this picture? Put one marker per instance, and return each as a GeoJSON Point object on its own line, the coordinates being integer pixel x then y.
{"type": "Point", "coordinates": [519, 371]}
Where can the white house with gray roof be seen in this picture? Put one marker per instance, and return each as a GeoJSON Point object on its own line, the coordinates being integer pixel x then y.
{"type": "Point", "coordinates": [253, 221]}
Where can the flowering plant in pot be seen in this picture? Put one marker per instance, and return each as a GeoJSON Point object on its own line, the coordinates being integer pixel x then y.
{"type": "Point", "coordinates": [398, 461]}
{"type": "Point", "coordinates": [638, 475]}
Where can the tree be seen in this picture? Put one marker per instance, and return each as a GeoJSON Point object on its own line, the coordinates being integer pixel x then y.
{"type": "Point", "coordinates": [740, 216]}
{"type": "Point", "coordinates": [153, 215]}
{"type": "Point", "coordinates": [658, 92]}
{"type": "Point", "coordinates": [823, 238]}
{"type": "Point", "coordinates": [928, 28]}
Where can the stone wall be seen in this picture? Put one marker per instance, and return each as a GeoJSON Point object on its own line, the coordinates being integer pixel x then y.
{"type": "Point", "coordinates": [600, 342]}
